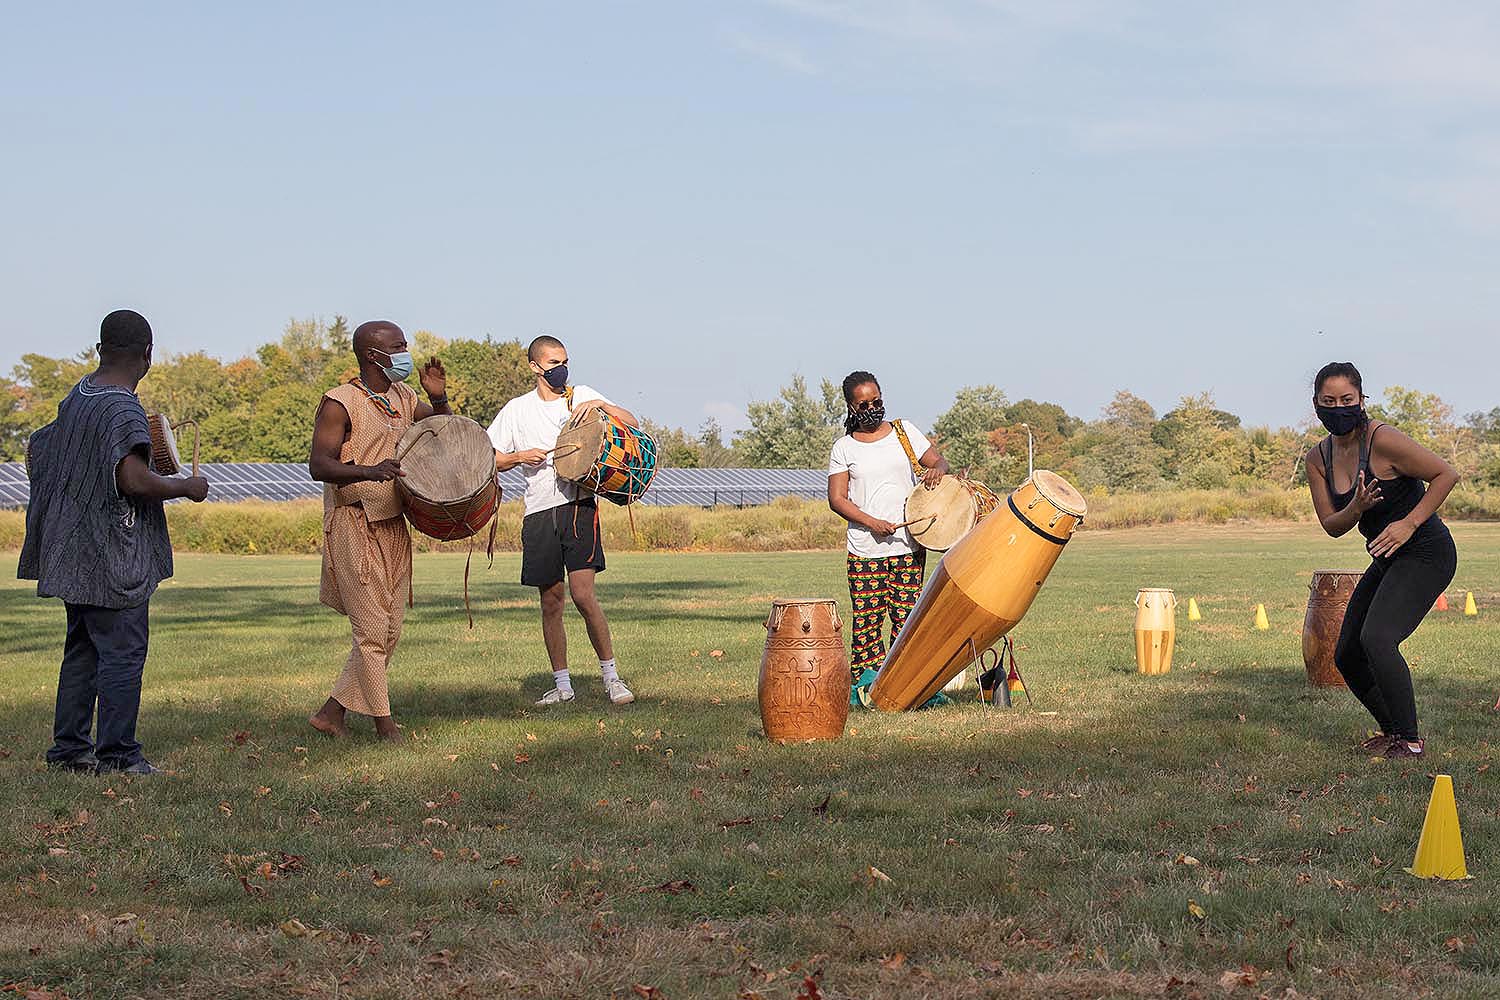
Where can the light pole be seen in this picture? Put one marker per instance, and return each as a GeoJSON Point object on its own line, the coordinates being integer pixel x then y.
{"type": "Point", "coordinates": [1030, 461]}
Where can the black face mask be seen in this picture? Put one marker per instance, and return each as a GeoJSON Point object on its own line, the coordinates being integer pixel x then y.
{"type": "Point", "coordinates": [557, 376]}
{"type": "Point", "coordinates": [1340, 420]}
{"type": "Point", "coordinates": [868, 420]}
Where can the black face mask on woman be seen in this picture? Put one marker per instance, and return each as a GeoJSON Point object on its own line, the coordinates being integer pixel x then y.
{"type": "Point", "coordinates": [868, 420]}
{"type": "Point", "coordinates": [1340, 420]}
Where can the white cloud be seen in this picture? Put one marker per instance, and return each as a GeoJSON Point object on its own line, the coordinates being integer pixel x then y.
{"type": "Point", "coordinates": [777, 51]}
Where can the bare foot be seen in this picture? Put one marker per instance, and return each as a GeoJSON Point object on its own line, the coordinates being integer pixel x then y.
{"type": "Point", "coordinates": [387, 730]}
{"type": "Point", "coordinates": [329, 719]}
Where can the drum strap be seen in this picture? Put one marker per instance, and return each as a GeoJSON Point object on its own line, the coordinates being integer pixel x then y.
{"type": "Point", "coordinates": [911, 456]}
{"type": "Point", "coordinates": [568, 395]}
{"type": "Point", "coordinates": [1022, 518]}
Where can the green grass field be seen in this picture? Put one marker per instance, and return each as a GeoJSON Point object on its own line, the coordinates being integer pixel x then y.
{"type": "Point", "coordinates": [667, 850]}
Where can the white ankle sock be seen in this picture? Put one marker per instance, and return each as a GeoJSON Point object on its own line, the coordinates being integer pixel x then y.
{"type": "Point", "coordinates": [607, 668]}
{"type": "Point", "coordinates": [563, 681]}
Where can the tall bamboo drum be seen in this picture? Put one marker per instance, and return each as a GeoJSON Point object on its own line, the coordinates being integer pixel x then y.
{"type": "Point", "coordinates": [804, 672]}
{"type": "Point", "coordinates": [1155, 629]}
{"type": "Point", "coordinates": [979, 591]}
{"type": "Point", "coordinates": [1327, 600]}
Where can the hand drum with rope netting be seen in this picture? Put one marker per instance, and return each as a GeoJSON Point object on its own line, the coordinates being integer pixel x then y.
{"type": "Point", "coordinates": [449, 488]}
{"type": "Point", "coordinates": [602, 455]}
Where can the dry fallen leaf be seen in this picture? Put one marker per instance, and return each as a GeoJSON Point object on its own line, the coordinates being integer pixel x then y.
{"type": "Point", "coordinates": [225, 809]}
{"type": "Point", "coordinates": [1196, 910]}
{"type": "Point", "coordinates": [676, 887]}
{"type": "Point", "coordinates": [893, 961]}
{"type": "Point", "coordinates": [262, 791]}
{"type": "Point", "coordinates": [1187, 859]}
{"type": "Point", "coordinates": [363, 806]}
{"type": "Point", "coordinates": [294, 928]}
{"type": "Point", "coordinates": [379, 880]}
{"type": "Point", "coordinates": [523, 758]}
{"type": "Point", "coordinates": [531, 737]}
{"type": "Point", "coordinates": [876, 875]}
{"type": "Point", "coordinates": [717, 654]}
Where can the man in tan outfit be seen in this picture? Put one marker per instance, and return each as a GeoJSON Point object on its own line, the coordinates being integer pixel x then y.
{"type": "Point", "coordinates": [366, 544]}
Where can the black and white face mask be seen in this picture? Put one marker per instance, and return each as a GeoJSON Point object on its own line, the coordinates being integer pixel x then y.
{"type": "Point", "coordinates": [868, 420]}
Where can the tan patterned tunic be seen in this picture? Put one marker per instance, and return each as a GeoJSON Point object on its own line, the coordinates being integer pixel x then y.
{"type": "Point", "coordinates": [367, 548]}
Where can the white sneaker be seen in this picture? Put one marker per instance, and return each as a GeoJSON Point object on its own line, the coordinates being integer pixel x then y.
{"type": "Point", "coordinates": [556, 696]}
{"type": "Point", "coordinates": [618, 692]}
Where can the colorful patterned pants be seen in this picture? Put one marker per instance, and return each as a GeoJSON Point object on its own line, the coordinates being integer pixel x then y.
{"type": "Point", "coordinates": [875, 586]}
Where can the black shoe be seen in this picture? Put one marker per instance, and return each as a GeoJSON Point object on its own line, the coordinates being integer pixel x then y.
{"type": "Point", "coordinates": [139, 767]}
{"type": "Point", "coordinates": [84, 763]}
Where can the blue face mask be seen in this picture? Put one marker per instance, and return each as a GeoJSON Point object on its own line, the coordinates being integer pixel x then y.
{"type": "Point", "coordinates": [400, 367]}
{"type": "Point", "coordinates": [556, 376]}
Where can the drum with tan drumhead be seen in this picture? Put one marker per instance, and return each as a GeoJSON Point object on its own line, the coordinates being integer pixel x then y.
{"type": "Point", "coordinates": [937, 518]}
{"type": "Point", "coordinates": [603, 455]}
{"type": "Point", "coordinates": [164, 458]}
{"type": "Point", "coordinates": [1327, 600]}
{"type": "Point", "coordinates": [980, 590]}
{"type": "Point", "coordinates": [448, 484]}
{"type": "Point", "coordinates": [804, 672]}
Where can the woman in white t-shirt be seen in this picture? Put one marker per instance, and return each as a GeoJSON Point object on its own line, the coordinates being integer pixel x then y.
{"type": "Point", "coordinates": [871, 472]}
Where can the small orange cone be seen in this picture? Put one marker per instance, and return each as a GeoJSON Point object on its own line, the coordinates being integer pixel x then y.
{"type": "Point", "coordinates": [1442, 603]}
{"type": "Point", "coordinates": [1470, 610]}
{"type": "Point", "coordinates": [1440, 851]}
{"type": "Point", "coordinates": [1260, 618]}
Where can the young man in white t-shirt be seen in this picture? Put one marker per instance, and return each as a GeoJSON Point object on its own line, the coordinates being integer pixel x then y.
{"type": "Point", "coordinates": [560, 535]}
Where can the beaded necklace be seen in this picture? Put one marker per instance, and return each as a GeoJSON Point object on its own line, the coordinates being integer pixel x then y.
{"type": "Point", "coordinates": [381, 403]}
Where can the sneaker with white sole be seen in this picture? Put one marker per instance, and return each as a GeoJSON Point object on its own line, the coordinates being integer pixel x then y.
{"type": "Point", "coordinates": [618, 692]}
{"type": "Point", "coordinates": [557, 696]}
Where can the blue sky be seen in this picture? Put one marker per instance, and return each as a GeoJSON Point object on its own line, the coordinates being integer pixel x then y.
{"type": "Point", "coordinates": [1061, 198]}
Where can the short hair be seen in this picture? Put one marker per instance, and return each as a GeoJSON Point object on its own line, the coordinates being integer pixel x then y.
{"type": "Point", "coordinates": [540, 344]}
{"type": "Point", "coordinates": [124, 331]}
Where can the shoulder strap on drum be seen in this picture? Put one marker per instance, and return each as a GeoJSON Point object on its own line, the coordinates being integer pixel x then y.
{"type": "Point", "coordinates": [911, 456]}
{"type": "Point", "coordinates": [568, 395]}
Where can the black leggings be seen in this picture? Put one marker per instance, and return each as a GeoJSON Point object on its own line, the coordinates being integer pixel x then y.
{"type": "Point", "coordinates": [1388, 604]}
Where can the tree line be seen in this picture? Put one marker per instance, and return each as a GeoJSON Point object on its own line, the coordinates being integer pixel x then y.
{"type": "Point", "coordinates": [260, 409]}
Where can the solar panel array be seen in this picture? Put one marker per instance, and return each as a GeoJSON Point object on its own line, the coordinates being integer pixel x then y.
{"type": "Point", "coordinates": [290, 481]}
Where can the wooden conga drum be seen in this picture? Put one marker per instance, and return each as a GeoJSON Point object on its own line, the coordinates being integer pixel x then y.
{"type": "Point", "coordinates": [804, 673]}
{"type": "Point", "coordinates": [937, 518]}
{"type": "Point", "coordinates": [1328, 599]}
{"type": "Point", "coordinates": [1155, 629]}
{"type": "Point", "coordinates": [449, 488]}
{"type": "Point", "coordinates": [979, 591]}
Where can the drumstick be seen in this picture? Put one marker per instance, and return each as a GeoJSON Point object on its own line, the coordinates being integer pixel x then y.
{"type": "Point", "coordinates": [907, 524]}
{"type": "Point", "coordinates": [574, 447]}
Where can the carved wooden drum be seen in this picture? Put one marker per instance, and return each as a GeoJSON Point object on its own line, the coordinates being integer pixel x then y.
{"type": "Point", "coordinates": [1328, 599]}
{"type": "Point", "coordinates": [804, 672]}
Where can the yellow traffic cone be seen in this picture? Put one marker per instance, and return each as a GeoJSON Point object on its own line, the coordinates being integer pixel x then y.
{"type": "Point", "coordinates": [1469, 608]}
{"type": "Point", "coordinates": [1440, 852]}
{"type": "Point", "coordinates": [1193, 614]}
{"type": "Point", "coordinates": [1260, 618]}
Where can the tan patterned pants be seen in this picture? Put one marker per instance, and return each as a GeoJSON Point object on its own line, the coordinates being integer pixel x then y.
{"type": "Point", "coordinates": [366, 576]}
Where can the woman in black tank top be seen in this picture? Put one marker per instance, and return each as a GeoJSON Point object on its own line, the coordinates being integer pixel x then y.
{"type": "Point", "coordinates": [1370, 475]}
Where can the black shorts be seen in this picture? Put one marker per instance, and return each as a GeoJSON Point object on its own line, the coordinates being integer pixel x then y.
{"type": "Point", "coordinates": [562, 539]}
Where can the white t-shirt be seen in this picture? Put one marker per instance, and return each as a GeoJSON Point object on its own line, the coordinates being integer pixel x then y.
{"type": "Point", "coordinates": [531, 422]}
{"type": "Point", "coordinates": [880, 480]}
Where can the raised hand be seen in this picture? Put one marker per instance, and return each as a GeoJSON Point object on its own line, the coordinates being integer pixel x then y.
{"type": "Point", "coordinates": [1366, 494]}
{"type": "Point", "coordinates": [434, 379]}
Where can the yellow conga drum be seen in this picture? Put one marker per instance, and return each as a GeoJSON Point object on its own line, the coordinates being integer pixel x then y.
{"type": "Point", "coordinates": [1155, 629]}
{"type": "Point", "coordinates": [979, 591]}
